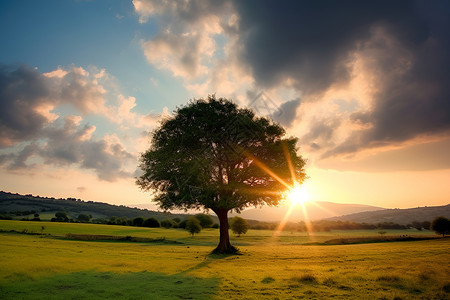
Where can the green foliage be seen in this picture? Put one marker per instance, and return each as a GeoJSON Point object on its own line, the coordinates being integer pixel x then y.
{"type": "Point", "coordinates": [138, 221]}
{"type": "Point", "coordinates": [83, 218]}
{"type": "Point", "coordinates": [209, 155]}
{"type": "Point", "coordinates": [214, 155]}
{"type": "Point", "coordinates": [61, 214]}
{"type": "Point", "coordinates": [167, 223]}
{"type": "Point", "coordinates": [193, 225]}
{"type": "Point", "coordinates": [61, 217]}
{"type": "Point", "coordinates": [152, 223]}
{"type": "Point", "coordinates": [239, 225]}
{"type": "Point", "coordinates": [182, 224]}
{"type": "Point", "coordinates": [205, 220]}
{"type": "Point", "coordinates": [441, 225]}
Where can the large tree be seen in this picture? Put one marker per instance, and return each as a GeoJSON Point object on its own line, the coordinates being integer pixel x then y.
{"type": "Point", "coordinates": [213, 155]}
{"type": "Point", "coordinates": [441, 225]}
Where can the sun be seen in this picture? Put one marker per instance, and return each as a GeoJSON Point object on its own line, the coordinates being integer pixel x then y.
{"type": "Point", "coordinates": [298, 195]}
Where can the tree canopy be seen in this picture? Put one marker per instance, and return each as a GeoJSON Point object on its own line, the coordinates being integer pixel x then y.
{"type": "Point", "coordinates": [239, 225]}
{"type": "Point", "coordinates": [213, 155]}
{"type": "Point", "coordinates": [441, 225]}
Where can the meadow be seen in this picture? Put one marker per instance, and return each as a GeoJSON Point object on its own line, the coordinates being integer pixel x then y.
{"type": "Point", "coordinates": [273, 265]}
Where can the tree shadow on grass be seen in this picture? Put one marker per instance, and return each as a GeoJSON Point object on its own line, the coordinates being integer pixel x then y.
{"type": "Point", "coordinates": [92, 285]}
{"type": "Point", "coordinates": [208, 259]}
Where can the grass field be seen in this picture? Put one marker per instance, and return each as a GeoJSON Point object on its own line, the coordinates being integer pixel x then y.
{"type": "Point", "coordinates": [271, 267]}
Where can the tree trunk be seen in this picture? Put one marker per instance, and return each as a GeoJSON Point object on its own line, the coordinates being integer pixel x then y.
{"type": "Point", "coordinates": [224, 246]}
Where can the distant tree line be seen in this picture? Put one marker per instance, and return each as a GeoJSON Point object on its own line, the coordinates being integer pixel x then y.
{"type": "Point", "coordinates": [326, 225]}
{"type": "Point", "coordinates": [196, 223]}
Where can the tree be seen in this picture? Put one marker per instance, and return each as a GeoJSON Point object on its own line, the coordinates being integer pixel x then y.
{"type": "Point", "coordinates": [213, 155]}
{"type": "Point", "coordinates": [138, 221]}
{"type": "Point", "coordinates": [182, 224]}
{"type": "Point", "coordinates": [167, 223]}
{"type": "Point", "coordinates": [61, 217]}
{"type": "Point", "coordinates": [193, 225]}
{"type": "Point", "coordinates": [205, 220]}
{"type": "Point", "coordinates": [441, 225]}
{"type": "Point", "coordinates": [239, 225]}
{"type": "Point", "coordinates": [83, 218]}
{"type": "Point", "coordinates": [152, 223]}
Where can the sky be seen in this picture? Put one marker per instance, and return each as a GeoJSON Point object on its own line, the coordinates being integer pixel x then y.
{"type": "Point", "coordinates": [364, 85]}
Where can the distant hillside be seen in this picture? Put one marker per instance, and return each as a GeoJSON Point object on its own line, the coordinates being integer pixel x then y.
{"type": "Point", "coordinates": [12, 204]}
{"type": "Point", "coordinates": [316, 211]}
{"type": "Point", "coordinates": [399, 216]}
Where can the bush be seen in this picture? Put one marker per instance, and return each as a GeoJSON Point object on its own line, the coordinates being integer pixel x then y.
{"type": "Point", "coordinates": [61, 217]}
{"type": "Point", "coordinates": [139, 221]}
{"type": "Point", "coordinates": [205, 220]}
{"type": "Point", "coordinates": [152, 223]}
{"type": "Point", "coordinates": [239, 225]}
{"type": "Point", "coordinates": [193, 225]}
{"type": "Point", "coordinates": [167, 223]}
{"type": "Point", "coordinates": [441, 225]}
{"type": "Point", "coordinates": [182, 224]}
{"type": "Point", "coordinates": [83, 218]}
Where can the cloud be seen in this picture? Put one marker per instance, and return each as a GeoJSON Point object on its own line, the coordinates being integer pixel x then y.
{"type": "Point", "coordinates": [287, 112]}
{"type": "Point", "coordinates": [399, 51]}
{"type": "Point", "coordinates": [23, 92]}
{"type": "Point", "coordinates": [33, 133]}
{"type": "Point", "coordinates": [387, 63]}
{"type": "Point", "coordinates": [186, 41]}
{"type": "Point", "coordinates": [28, 98]}
{"type": "Point", "coordinates": [72, 144]}
{"type": "Point", "coordinates": [81, 189]}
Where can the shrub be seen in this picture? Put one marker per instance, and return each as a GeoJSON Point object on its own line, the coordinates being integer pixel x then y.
{"type": "Point", "coordinates": [268, 280]}
{"type": "Point", "coordinates": [152, 223]}
{"type": "Point", "coordinates": [193, 225]}
{"type": "Point", "coordinates": [182, 224]}
{"type": "Point", "coordinates": [441, 225]}
{"type": "Point", "coordinates": [83, 218]}
{"type": "Point", "coordinates": [239, 225]}
{"type": "Point", "coordinates": [167, 223]}
{"type": "Point", "coordinates": [307, 278]}
{"type": "Point", "coordinates": [205, 220]}
{"type": "Point", "coordinates": [139, 221]}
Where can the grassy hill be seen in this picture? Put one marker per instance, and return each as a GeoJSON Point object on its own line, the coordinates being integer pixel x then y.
{"type": "Point", "coordinates": [19, 206]}
{"type": "Point", "coordinates": [399, 216]}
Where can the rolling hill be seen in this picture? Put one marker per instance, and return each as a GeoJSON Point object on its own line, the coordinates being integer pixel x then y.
{"type": "Point", "coordinates": [316, 211]}
{"type": "Point", "coordinates": [13, 204]}
{"type": "Point", "coordinates": [399, 216]}
{"type": "Point", "coordinates": [18, 206]}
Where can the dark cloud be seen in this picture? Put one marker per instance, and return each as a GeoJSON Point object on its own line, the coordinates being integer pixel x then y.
{"type": "Point", "coordinates": [313, 43]}
{"type": "Point", "coordinates": [22, 91]}
{"type": "Point", "coordinates": [27, 130]}
{"type": "Point", "coordinates": [310, 41]}
{"type": "Point", "coordinates": [287, 112]}
{"type": "Point", "coordinates": [320, 133]}
{"type": "Point", "coordinates": [26, 95]}
{"type": "Point", "coordinates": [71, 145]}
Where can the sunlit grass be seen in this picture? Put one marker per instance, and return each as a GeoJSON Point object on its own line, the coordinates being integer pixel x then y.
{"type": "Point", "coordinates": [268, 268]}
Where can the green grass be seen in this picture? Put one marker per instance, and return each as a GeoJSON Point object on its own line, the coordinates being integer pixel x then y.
{"type": "Point", "coordinates": [271, 267]}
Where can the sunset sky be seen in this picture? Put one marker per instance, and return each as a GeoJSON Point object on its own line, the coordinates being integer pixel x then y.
{"type": "Point", "coordinates": [364, 85]}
